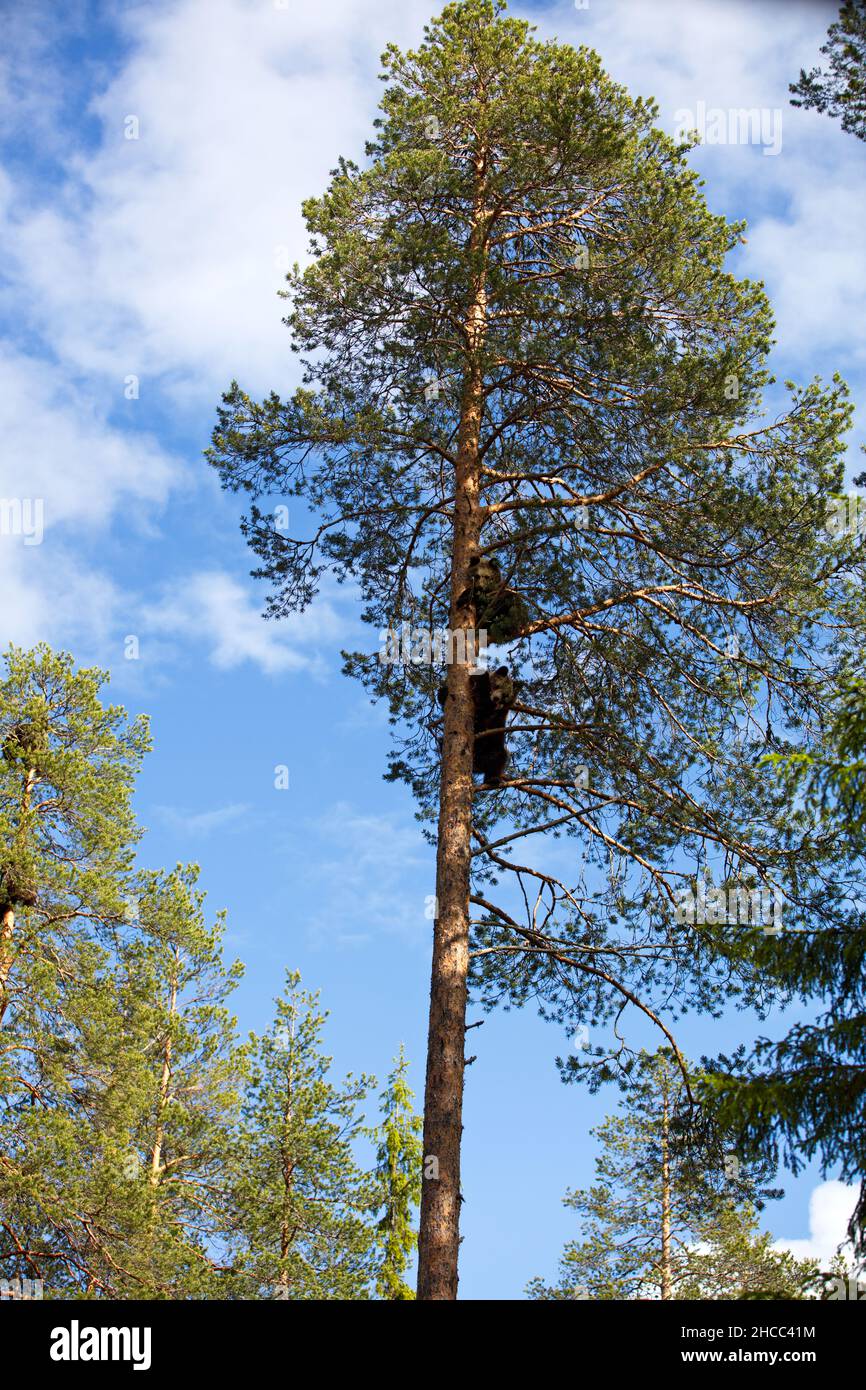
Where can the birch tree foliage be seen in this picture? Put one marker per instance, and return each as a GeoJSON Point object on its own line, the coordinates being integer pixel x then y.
{"type": "Point", "coordinates": [687, 605]}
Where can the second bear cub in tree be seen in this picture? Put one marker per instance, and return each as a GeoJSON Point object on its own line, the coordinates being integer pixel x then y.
{"type": "Point", "coordinates": [498, 609]}
{"type": "Point", "coordinates": [493, 694]}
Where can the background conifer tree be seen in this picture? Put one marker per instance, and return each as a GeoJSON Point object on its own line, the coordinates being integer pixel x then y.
{"type": "Point", "coordinates": [121, 1094]}
{"type": "Point", "coordinates": [803, 1096]}
{"type": "Point", "coordinates": [301, 1204]}
{"type": "Point", "coordinates": [184, 1084]}
{"type": "Point", "coordinates": [398, 1172]}
{"type": "Point", "coordinates": [669, 1221]}
{"type": "Point", "coordinates": [840, 90]}
{"type": "Point", "coordinates": [67, 830]}
{"type": "Point", "coordinates": [735, 1260]}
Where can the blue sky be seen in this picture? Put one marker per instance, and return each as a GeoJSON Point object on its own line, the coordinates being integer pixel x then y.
{"type": "Point", "coordinates": [159, 258]}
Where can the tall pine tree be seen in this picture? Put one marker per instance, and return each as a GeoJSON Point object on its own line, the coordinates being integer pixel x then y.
{"type": "Point", "coordinates": [532, 404]}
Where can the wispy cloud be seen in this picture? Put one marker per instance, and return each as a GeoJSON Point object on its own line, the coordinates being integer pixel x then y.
{"type": "Point", "coordinates": [88, 476]}
{"type": "Point", "coordinates": [372, 875]}
{"type": "Point", "coordinates": [174, 243]}
{"type": "Point", "coordinates": [215, 611]}
{"type": "Point", "coordinates": [158, 258]}
{"type": "Point", "coordinates": [201, 823]}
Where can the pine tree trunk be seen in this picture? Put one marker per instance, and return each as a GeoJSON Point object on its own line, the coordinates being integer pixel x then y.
{"type": "Point", "coordinates": [7, 921]}
{"type": "Point", "coordinates": [7, 954]}
{"type": "Point", "coordinates": [666, 1203]}
{"type": "Point", "coordinates": [287, 1225]}
{"type": "Point", "coordinates": [439, 1237]}
{"type": "Point", "coordinates": [162, 1096]}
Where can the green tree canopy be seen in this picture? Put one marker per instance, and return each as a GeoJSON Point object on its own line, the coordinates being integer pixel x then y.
{"type": "Point", "coordinates": [840, 89]}
{"type": "Point", "coordinates": [398, 1172]}
{"type": "Point", "coordinates": [120, 1090]}
{"type": "Point", "coordinates": [67, 830]}
{"type": "Point", "coordinates": [666, 1219]}
{"type": "Point", "coordinates": [804, 1096]}
{"type": "Point", "coordinates": [302, 1205]}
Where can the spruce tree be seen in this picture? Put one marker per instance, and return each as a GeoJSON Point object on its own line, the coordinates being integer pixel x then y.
{"type": "Point", "coordinates": [398, 1173]}
{"type": "Point", "coordinates": [531, 402]}
{"type": "Point", "coordinates": [803, 1096]}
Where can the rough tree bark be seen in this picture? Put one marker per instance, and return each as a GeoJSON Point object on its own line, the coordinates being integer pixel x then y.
{"type": "Point", "coordinates": [7, 921]}
{"type": "Point", "coordinates": [439, 1236]}
{"type": "Point", "coordinates": [156, 1165]}
{"type": "Point", "coordinates": [288, 1228]}
{"type": "Point", "coordinates": [667, 1282]}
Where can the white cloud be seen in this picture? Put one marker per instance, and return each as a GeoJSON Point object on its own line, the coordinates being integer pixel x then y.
{"type": "Point", "coordinates": [214, 609]}
{"type": "Point", "coordinates": [93, 481]}
{"type": "Point", "coordinates": [156, 257]}
{"type": "Point", "coordinates": [168, 242]}
{"type": "Point", "coordinates": [58, 445]}
{"type": "Point", "coordinates": [728, 52]}
{"type": "Point", "coordinates": [61, 452]}
{"type": "Point", "coordinates": [201, 823]}
{"type": "Point", "coordinates": [812, 261]}
{"type": "Point", "coordinates": [54, 599]}
{"type": "Point", "coordinates": [808, 202]}
{"type": "Point", "coordinates": [830, 1208]}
